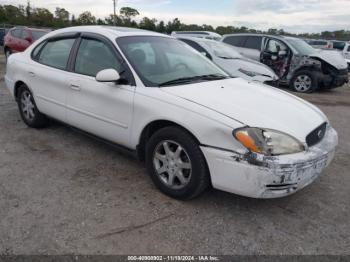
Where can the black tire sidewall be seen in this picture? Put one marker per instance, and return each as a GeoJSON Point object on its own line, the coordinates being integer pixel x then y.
{"type": "Point", "coordinates": [311, 74]}
{"type": "Point", "coordinates": [200, 176]}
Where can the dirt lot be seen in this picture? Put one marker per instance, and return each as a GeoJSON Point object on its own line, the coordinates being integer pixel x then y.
{"type": "Point", "coordinates": [62, 193]}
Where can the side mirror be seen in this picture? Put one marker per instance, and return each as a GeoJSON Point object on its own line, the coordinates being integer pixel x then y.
{"type": "Point", "coordinates": [282, 53]}
{"type": "Point", "coordinates": [108, 75]}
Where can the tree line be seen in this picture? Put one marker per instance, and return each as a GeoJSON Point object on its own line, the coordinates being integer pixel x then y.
{"type": "Point", "coordinates": [42, 17]}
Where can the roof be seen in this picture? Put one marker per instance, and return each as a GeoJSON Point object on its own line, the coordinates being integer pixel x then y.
{"type": "Point", "coordinates": [196, 32]}
{"type": "Point", "coordinates": [108, 30]}
{"type": "Point", "coordinates": [281, 37]}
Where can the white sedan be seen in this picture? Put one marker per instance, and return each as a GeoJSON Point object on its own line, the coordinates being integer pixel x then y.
{"type": "Point", "coordinates": [192, 124]}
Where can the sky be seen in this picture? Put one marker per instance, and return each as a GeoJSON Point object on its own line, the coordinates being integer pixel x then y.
{"type": "Point", "coordinates": [296, 16]}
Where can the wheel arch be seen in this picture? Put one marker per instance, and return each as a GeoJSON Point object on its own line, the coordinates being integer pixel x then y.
{"type": "Point", "coordinates": [18, 84]}
{"type": "Point", "coordinates": [153, 127]}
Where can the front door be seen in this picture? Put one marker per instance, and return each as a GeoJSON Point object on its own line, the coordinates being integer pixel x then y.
{"type": "Point", "coordinates": [48, 76]}
{"type": "Point", "coordinates": [103, 109]}
{"type": "Point", "coordinates": [275, 54]}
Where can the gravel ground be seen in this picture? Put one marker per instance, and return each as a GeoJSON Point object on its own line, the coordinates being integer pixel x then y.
{"type": "Point", "coordinates": [63, 193]}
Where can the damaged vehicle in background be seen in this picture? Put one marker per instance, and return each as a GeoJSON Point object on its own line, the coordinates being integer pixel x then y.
{"type": "Point", "coordinates": [226, 57]}
{"type": "Point", "coordinates": [192, 124]}
{"type": "Point", "coordinates": [296, 63]}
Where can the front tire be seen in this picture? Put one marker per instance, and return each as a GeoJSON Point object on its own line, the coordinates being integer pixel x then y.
{"type": "Point", "coordinates": [28, 109]}
{"type": "Point", "coordinates": [176, 164]}
{"type": "Point", "coordinates": [304, 82]}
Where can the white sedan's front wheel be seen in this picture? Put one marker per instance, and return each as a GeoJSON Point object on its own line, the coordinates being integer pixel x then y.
{"type": "Point", "coordinates": [176, 164]}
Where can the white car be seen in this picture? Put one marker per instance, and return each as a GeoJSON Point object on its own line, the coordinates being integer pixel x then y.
{"type": "Point", "coordinates": [344, 48]}
{"type": "Point", "coordinates": [227, 58]}
{"type": "Point", "coordinates": [191, 123]}
{"type": "Point", "coordinates": [198, 34]}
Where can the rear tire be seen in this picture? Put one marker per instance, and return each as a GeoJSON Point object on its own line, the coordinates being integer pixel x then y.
{"type": "Point", "coordinates": [28, 109]}
{"type": "Point", "coordinates": [304, 81]}
{"type": "Point", "coordinates": [176, 164]}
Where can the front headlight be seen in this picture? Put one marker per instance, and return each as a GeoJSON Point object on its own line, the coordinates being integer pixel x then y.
{"type": "Point", "coordinates": [268, 142]}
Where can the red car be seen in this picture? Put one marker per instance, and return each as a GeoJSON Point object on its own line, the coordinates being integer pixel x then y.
{"type": "Point", "coordinates": [19, 38]}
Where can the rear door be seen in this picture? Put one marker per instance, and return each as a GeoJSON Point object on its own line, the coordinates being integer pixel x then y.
{"type": "Point", "coordinates": [48, 75]}
{"type": "Point", "coordinates": [238, 42]}
{"type": "Point", "coordinates": [103, 109]}
{"type": "Point", "coordinates": [253, 47]}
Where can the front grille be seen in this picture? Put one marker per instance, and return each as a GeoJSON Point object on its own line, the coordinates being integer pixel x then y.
{"type": "Point", "coordinates": [317, 135]}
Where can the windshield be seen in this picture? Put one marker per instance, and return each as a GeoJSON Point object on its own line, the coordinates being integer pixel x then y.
{"type": "Point", "coordinates": [301, 46]}
{"type": "Point", "coordinates": [159, 60]}
{"type": "Point", "coordinates": [37, 34]}
{"type": "Point", "coordinates": [222, 50]}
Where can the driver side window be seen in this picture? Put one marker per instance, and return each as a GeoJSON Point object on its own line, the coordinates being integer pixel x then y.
{"type": "Point", "coordinates": [94, 56]}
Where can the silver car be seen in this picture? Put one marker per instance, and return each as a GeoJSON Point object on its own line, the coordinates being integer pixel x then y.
{"type": "Point", "coordinates": [297, 64]}
{"type": "Point", "coordinates": [230, 60]}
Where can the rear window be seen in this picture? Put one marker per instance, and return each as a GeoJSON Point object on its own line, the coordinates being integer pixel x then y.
{"type": "Point", "coordinates": [37, 34]}
{"type": "Point", "coordinates": [235, 40]}
{"type": "Point", "coordinates": [16, 33]}
{"type": "Point", "coordinates": [253, 42]}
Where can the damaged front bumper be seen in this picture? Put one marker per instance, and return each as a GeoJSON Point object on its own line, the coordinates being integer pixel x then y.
{"type": "Point", "coordinates": [260, 176]}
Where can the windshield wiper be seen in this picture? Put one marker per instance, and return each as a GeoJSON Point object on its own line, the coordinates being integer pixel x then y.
{"type": "Point", "coordinates": [183, 80]}
{"type": "Point", "coordinates": [228, 57]}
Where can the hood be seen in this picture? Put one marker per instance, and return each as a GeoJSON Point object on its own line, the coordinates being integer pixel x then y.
{"type": "Point", "coordinates": [232, 66]}
{"type": "Point", "coordinates": [254, 104]}
{"type": "Point", "coordinates": [331, 57]}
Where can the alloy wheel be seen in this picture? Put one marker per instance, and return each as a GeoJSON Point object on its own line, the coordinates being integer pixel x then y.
{"type": "Point", "coordinates": [27, 105]}
{"type": "Point", "coordinates": [172, 164]}
{"type": "Point", "coordinates": [303, 83]}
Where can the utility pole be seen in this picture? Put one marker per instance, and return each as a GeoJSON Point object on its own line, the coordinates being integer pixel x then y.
{"type": "Point", "coordinates": [115, 2]}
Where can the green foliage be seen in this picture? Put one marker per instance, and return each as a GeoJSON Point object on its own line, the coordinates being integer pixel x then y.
{"type": "Point", "coordinates": [29, 16]}
{"type": "Point", "coordinates": [128, 12]}
{"type": "Point", "coordinates": [86, 18]}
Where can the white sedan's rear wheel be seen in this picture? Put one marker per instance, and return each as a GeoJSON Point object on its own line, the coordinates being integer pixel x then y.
{"type": "Point", "coordinates": [28, 109]}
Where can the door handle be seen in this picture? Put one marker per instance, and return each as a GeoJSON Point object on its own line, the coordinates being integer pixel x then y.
{"type": "Point", "coordinates": [75, 87]}
{"type": "Point", "coordinates": [32, 74]}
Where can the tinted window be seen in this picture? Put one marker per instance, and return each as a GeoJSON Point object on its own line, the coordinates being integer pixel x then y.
{"type": "Point", "coordinates": [37, 34]}
{"type": "Point", "coordinates": [253, 42]}
{"type": "Point", "coordinates": [196, 46]}
{"type": "Point", "coordinates": [94, 56]}
{"type": "Point", "coordinates": [37, 50]}
{"type": "Point", "coordinates": [16, 33]}
{"type": "Point", "coordinates": [318, 42]}
{"type": "Point", "coordinates": [56, 53]}
{"type": "Point", "coordinates": [339, 45]}
{"type": "Point", "coordinates": [25, 34]}
{"type": "Point", "coordinates": [235, 40]}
